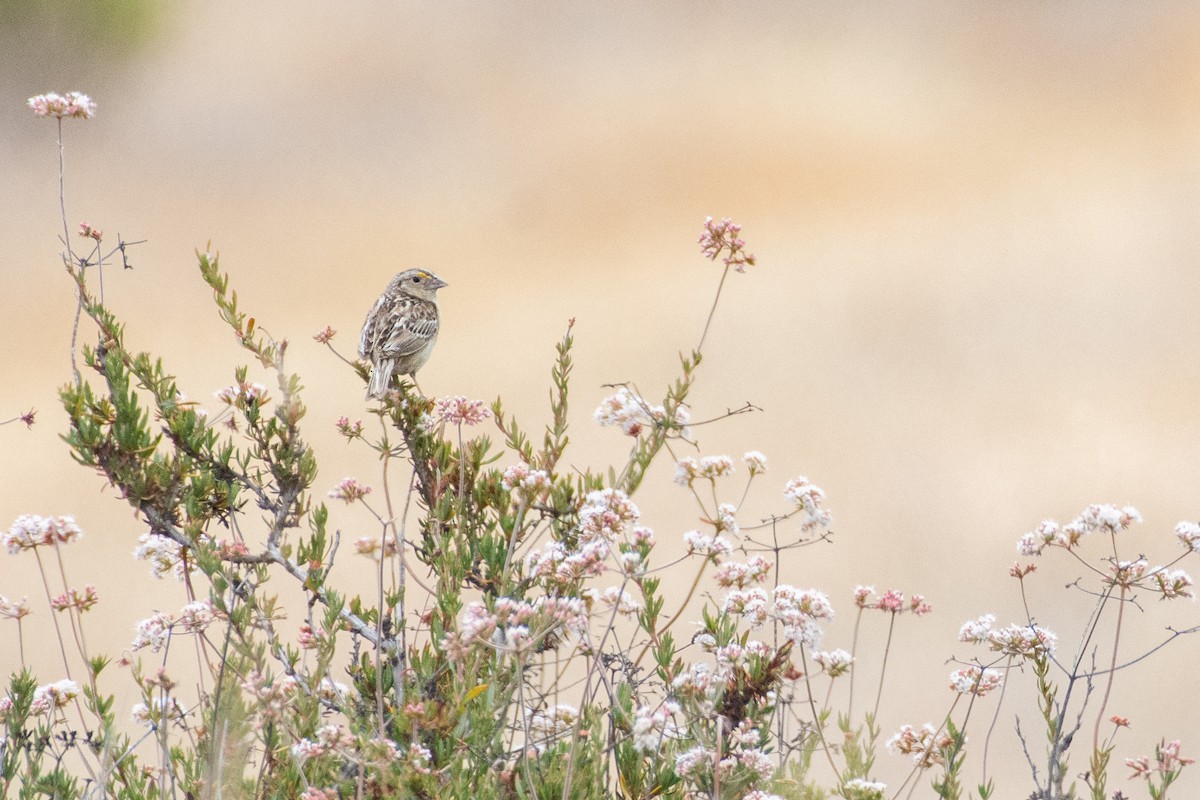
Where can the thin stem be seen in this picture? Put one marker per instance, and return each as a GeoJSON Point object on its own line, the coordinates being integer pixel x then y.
{"type": "Point", "coordinates": [812, 706]}
{"type": "Point", "coordinates": [713, 310]}
{"type": "Point", "coordinates": [62, 206]}
{"type": "Point", "coordinates": [1112, 670]}
{"type": "Point", "coordinates": [887, 648]}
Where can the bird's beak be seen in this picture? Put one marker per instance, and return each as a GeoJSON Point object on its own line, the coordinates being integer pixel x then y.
{"type": "Point", "coordinates": [438, 283]}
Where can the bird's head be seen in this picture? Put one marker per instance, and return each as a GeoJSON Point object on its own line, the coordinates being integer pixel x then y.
{"type": "Point", "coordinates": [418, 283]}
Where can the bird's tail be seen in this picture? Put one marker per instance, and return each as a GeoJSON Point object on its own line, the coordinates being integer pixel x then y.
{"type": "Point", "coordinates": [381, 378]}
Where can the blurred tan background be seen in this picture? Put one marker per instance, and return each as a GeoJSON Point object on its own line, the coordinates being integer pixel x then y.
{"type": "Point", "coordinates": [975, 304]}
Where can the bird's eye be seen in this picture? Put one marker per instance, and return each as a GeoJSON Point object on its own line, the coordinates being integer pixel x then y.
{"type": "Point", "coordinates": [416, 279]}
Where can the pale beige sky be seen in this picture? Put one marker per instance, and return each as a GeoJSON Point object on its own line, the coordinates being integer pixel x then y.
{"type": "Point", "coordinates": [976, 231]}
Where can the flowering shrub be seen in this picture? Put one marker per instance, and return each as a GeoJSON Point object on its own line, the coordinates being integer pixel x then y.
{"type": "Point", "coordinates": [518, 641]}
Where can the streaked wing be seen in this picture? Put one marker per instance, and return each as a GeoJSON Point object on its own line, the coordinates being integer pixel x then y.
{"type": "Point", "coordinates": [369, 337]}
{"type": "Point", "coordinates": [405, 329]}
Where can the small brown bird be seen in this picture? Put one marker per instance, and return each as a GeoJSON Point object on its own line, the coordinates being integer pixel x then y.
{"type": "Point", "coordinates": [401, 329]}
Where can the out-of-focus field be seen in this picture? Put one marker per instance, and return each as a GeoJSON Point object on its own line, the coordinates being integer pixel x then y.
{"type": "Point", "coordinates": [975, 304]}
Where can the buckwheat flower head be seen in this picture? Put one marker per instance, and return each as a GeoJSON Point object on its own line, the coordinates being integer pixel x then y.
{"type": "Point", "coordinates": [72, 104]}
{"type": "Point", "coordinates": [722, 237]}
{"type": "Point", "coordinates": [1126, 573]}
{"type": "Point", "coordinates": [790, 603]}
{"type": "Point", "coordinates": [551, 723]}
{"type": "Point", "coordinates": [458, 410]}
{"type": "Point", "coordinates": [713, 467]}
{"type": "Point", "coordinates": [52, 696]}
{"type": "Point", "coordinates": [799, 612]}
{"type": "Point", "coordinates": [14, 609]}
{"type": "Point", "coordinates": [741, 575]}
{"type": "Point", "coordinates": [165, 708]}
{"type": "Point", "coordinates": [242, 394]}
{"type": "Point", "coordinates": [808, 497]}
{"type": "Point", "coordinates": [622, 601]}
{"type": "Point", "coordinates": [977, 631]}
{"type": "Point", "coordinates": [351, 430]}
{"type": "Point", "coordinates": [918, 605]}
{"type": "Point", "coordinates": [195, 617]}
{"type": "Point", "coordinates": [696, 761]}
{"type": "Point", "coordinates": [606, 514]}
{"type": "Point", "coordinates": [862, 596]}
{"type": "Point", "coordinates": [525, 484]}
{"type": "Point", "coordinates": [73, 598]}
{"type": "Point", "coordinates": [751, 603]}
{"type": "Point", "coordinates": [349, 490]}
{"type": "Point", "coordinates": [920, 744]}
{"type": "Point", "coordinates": [1109, 518]}
{"type": "Point", "coordinates": [1188, 534]}
{"type": "Point", "coordinates": [834, 662]}
{"type": "Point", "coordinates": [30, 530]}
{"type": "Point", "coordinates": [707, 545]}
{"type": "Point", "coordinates": [325, 335]}
{"type": "Point", "coordinates": [164, 554]}
{"type": "Point", "coordinates": [1172, 584]}
{"type": "Point", "coordinates": [687, 469]}
{"type": "Point", "coordinates": [726, 522]}
{"type": "Point", "coordinates": [304, 749]}
{"type": "Point", "coordinates": [633, 415]}
{"type": "Point", "coordinates": [1168, 762]}
{"type": "Point", "coordinates": [755, 461]}
{"type": "Point", "coordinates": [862, 789]}
{"type": "Point", "coordinates": [892, 600]}
{"type": "Point", "coordinates": [976, 681]}
{"type": "Point", "coordinates": [86, 231]}
{"type": "Point", "coordinates": [370, 547]}
{"type": "Point", "coordinates": [317, 793]}
{"type": "Point", "coordinates": [1026, 641]}
{"type": "Point", "coordinates": [652, 726]}
{"type": "Point", "coordinates": [152, 632]}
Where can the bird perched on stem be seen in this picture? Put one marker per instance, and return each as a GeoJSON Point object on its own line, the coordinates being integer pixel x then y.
{"type": "Point", "coordinates": [401, 329]}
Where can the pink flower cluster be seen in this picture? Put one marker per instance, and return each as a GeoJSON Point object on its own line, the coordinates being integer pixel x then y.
{"type": "Point", "coordinates": [742, 760]}
{"type": "Point", "coordinates": [29, 531]}
{"type": "Point", "coordinates": [526, 485]}
{"type": "Point", "coordinates": [833, 663]}
{"type": "Point", "coordinates": [72, 104]}
{"type": "Point", "coordinates": [53, 696]}
{"type": "Point", "coordinates": [459, 410]}
{"type": "Point", "coordinates": [923, 745]}
{"type": "Point", "coordinates": [1096, 517]}
{"type": "Point", "coordinates": [242, 394]}
{"type": "Point", "coordinates": [155, 631]}
{"type": "Point", "coordinates": [652, 726]}
{"type": "Point", "coordinates": [740, 575]}
{"type": "Point", "coordinates": [1020, 641]}
{"type": "Point", "coordinates": [73, 598]}
{"type": "Point", "coordinates": [351, 430]}
{"type": "Point", "coordinates": [14, 609]}
{"type": "Point", "coordinates": [633, 415]}
{"type": "Point", "coordinates": [798, 611]}
{"type": "Point", "coordinates": [689, 468]}
{"type": "Point", "coordinates": [515, 626]}
{"type": "Point", "coordinates": [164, 554]}
{"type": "Point", "coordinates": [722, 237]}
{"type": "Point", "coordinates": [892, 601]}
{"type": "Point", "coordinates": [808, 498]}
{"type": "Point", "coordinates": [349, 491]}
{"type": "Point", "coordinates": [975, 680]}
{"type": "Point", "coordinates": [1168, 762]}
